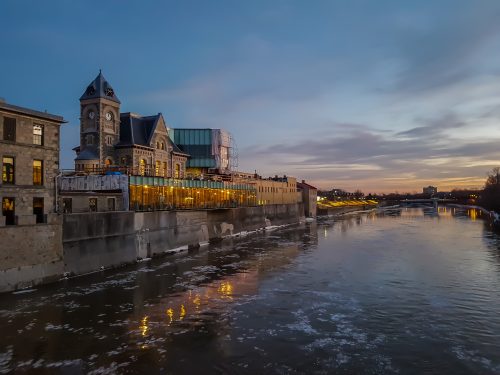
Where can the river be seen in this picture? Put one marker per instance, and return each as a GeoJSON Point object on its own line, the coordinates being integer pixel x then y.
{"type": "Point", "coordinates": [405, 291]}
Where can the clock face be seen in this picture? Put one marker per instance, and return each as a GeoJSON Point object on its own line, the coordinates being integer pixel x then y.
{"type": "Point", "coordinates": [109, 116]}
{"type": "Point", "coordinates": [91, 115]}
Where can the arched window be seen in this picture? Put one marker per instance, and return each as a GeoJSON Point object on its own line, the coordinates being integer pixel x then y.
{"type": "Point", "coordinates": [108, 162]}
{"type": "Point", "coordinates": [158, 145]}
{"type": "Point", "coordinates": [162, 146]}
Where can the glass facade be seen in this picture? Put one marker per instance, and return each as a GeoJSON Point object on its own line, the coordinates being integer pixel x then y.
{"type": "Point", "coordinates": [198, 144]}
{"type": "Point", "coordinates": [156, 193]}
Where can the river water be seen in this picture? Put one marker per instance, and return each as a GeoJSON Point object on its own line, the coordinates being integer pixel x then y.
{"type": "Point", "coordinates": [406, 291]}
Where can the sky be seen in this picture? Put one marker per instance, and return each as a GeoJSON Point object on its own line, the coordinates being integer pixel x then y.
{"type": "Point", "coordinates": [377, 95]}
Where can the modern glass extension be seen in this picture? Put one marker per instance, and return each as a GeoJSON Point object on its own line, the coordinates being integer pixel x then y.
{"type": "Point", "coordinates": [156, 193]}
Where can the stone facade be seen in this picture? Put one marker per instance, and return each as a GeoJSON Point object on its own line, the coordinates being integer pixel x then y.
{"type": "Point", "coordinates": [277, 190]}
{"type": "Point", "coordinates": [110, 140]}
{"type": "Point", "coordinates": [31, 231]}
{"type": "Point", "coordinates": [23, 180]}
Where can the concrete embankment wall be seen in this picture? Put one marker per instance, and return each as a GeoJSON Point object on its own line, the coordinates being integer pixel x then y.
{"type": "Point", "coordinates": [93, 241]}
{"type": "Point", "coordinates": [30, 254]}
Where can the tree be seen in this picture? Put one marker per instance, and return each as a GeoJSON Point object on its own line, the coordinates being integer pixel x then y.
{"type": "Point", "coordinates": [493, 177]}
{"type": "Point", "coordinates": [490, 198]}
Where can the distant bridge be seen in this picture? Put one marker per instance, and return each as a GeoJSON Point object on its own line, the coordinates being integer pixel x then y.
{"type": "Point", "coordinates": [433, 201]}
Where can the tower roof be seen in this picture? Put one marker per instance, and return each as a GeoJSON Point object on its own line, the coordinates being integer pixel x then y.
{"type": "Point", "coordinates": [100, 88]}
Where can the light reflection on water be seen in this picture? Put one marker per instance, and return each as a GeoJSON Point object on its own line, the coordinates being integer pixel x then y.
{"type": "Point", "coordinates": [397, 291]}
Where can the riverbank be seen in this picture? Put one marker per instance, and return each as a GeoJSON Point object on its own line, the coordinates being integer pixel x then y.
{"type": "Point", "coordinates": [337, 211]}
{"type": "Point", "coordinates": [97, 241]}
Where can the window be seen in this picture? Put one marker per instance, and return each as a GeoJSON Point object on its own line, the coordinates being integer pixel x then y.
{"type": "Point", "coordinates": [9, 129]}
{"type": "Point", "coordinates": [123, 160]}
{"type": "Point", "coordinates": [162, 146]}
{"type": "Point", "coordinates": [89, 139]}
{"type": "Point", "coordinates": [9, 210]}
{"type": "Point", "coordinates": [158, 168]}
{"type": "Point", "coordinates": [165, 172]}
{"type": "Point", "coordinates": [111, 204]}
{"type": "Point", "coordinates": [109, 140]}
{"type": "Point", "coordinates": [37, 172]}
{"type": "Point", "coordinates": [8, 170]}
{"type": "Point", "coordinates": [108, 162]}
{"type": "Point", "coordinates": [67, 205]}
{"type": "Point", "coordinates": [157, 145]}
{"type": "Point", "coordinates": [38, 210]}
{"type": "Point", "coordinates": [177, 171]}
{"type": "Point", "coordinates": [93, 204]}
{"type": "Point", "coordinates": [142, 167]}
{"type": "Point", "coordinates": [38, 135]}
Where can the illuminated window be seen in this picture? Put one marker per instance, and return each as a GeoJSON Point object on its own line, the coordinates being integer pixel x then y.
{"type": "Point", "coordinates": [8, 171]}
{"type": "Point", "coordinates": [157, 145]}
{"type": "Point", "coordinates": [142, 167]}
{"type": "Point", "coordinates": [177, 171]}
{"type": "Point", "coordinates": [158, 168]}
{"type": "Point", "coordinates": [38, 135]}
{"type": "Point", "coordinates": [9, 129]}
{"type": "Point", "coordinates": [37, 172]}
{"type": "Point", "coordinates": [9, 210]}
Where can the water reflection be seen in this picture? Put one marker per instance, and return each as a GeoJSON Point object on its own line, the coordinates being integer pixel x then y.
{"type": "Point", "coordinates": [413, 290]}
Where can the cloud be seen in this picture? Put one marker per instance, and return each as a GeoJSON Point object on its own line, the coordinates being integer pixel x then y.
{"type": "Point", "coordinates": [382, 161]}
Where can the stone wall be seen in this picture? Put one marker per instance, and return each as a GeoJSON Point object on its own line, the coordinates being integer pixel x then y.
{"type": "Point", "coordinates": [30, 254]}
{"type": "Point", "coordinates": [88, 242]}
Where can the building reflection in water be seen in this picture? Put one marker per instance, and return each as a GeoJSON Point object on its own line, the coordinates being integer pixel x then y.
{"type": "Point", "coordinates": [203, 306]}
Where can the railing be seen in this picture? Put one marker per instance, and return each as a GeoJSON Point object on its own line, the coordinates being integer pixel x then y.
{"type": "Point", "coordinates": [147, 171]}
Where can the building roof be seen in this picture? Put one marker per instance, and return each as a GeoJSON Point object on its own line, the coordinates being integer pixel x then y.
{"type": "Point", "coordinates": [100, 88]}
{"type": "Point", "coordinates": [87, 154]}
{"type": "Point", "coordinates": [30, 112]}
{"type": "Point", "coordinates": [139, 130]}
{"type": "Point", "coordinates": [304, 184]}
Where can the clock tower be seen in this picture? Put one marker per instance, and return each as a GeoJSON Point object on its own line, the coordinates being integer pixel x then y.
{"type": "Point", "coordinates": [99, 126]}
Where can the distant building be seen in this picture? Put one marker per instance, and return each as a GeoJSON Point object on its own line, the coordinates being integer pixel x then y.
{"type": "Point", "coordinates": [111, 140]}
{"type": "Point", "coordinates": [309, 198]}
{"type": "Point", "coordinates": [211, 151]}
{"type": "Point", "coordinates": [276, 190]}
{"type": "Point", "coordinates": [430, 190]}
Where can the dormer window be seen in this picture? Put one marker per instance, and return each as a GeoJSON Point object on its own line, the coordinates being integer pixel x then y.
{"type": "Point", "coordinates": [109, 91]}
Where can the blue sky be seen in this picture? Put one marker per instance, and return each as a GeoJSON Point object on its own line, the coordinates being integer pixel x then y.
{"type": "Point", "coordinates": [378, 95]}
